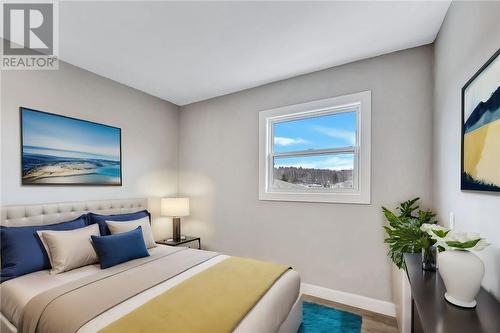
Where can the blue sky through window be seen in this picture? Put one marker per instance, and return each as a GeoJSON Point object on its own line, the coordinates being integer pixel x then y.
{"type": "Point", "coordinates": [329, 131]}
{"type": "Point", "coordinates": [322, 132]}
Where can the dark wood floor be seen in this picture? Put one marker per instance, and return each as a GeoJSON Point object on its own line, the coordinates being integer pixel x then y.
{"type": "Point", "coordinates": [372, 322]}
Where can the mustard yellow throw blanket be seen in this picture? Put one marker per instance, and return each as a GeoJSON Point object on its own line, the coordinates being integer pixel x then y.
{"type": "Point", "coordinates": [215, 300]}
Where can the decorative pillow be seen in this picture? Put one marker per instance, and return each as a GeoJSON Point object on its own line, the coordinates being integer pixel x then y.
{"type": "Point", "coordinates": [69, 249]}
{"type": "Point", "coordinates": [116, 249]}
{"type": "Point", "coordinates": [101, 219]}
{"type": "Point", "coordinates": [122, 226]}
{"type": "Point", "coordinates": [22, 251]}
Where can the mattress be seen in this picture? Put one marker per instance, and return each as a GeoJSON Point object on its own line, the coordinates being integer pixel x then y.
{"type": "Point", "coordinates": [267, 315]}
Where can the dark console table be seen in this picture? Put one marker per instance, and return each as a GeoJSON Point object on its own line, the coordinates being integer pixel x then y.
{"type": "Point", "coordinates": [431, 313]}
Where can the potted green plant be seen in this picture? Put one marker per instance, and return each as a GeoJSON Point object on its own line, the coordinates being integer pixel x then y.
{"type": "Point", "coordinates": [406, 236]}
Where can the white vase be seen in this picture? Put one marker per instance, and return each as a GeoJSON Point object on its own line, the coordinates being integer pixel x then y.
{"type": "Point", "coordinates": [462, 273]}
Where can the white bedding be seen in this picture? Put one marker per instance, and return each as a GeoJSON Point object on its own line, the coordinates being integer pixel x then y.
{"type": "Point", "coordinates": [267, 316]}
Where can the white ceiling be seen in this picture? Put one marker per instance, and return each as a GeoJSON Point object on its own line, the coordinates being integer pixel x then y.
{"type": "Point", "coordinates": [185, 52]}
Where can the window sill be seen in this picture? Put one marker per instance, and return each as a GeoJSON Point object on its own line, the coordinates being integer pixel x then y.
{"type": "Point", "coordinates": [342, 198]}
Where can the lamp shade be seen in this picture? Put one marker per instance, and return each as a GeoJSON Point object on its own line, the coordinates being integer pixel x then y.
{"type": "Point", "coordinates": [175, 207]}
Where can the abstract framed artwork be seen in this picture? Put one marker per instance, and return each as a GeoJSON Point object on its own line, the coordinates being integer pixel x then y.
{"type": "Point", "coordinates": [481, 129]}
{"type": "Point", "coordinates": [60, 150]}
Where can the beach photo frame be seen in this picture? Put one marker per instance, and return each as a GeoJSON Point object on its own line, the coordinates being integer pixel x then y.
{"type": "Point", "coordinates": [61, 150]}
{"type": "Point", "coordinates": [480, 162]}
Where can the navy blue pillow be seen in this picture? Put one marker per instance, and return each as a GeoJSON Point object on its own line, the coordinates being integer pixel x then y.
{"type": "Point", "coordinates": [115, 249]}
{"type": "Point", "coordinates": [22, 250]}
{"type": "Point", "coordinates": [101, 219]}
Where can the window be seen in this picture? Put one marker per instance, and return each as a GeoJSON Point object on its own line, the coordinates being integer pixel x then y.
{"type": "Point", "coordinates": [317, 151]}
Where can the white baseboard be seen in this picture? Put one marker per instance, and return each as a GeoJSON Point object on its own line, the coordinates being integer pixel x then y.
{"type": "Point", "coordinates": [357, 301]}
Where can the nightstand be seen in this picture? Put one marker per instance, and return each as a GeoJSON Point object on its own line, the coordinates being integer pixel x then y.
{"type": "Point", "coordinates": [188, 239]}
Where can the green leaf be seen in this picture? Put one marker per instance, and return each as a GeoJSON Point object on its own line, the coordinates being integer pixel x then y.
{"type": "Point", "coordinates": [391, 217]}
{"type": "Point", "coordinates": [408, 207]}
{"type": "Point", "coordinates": [440, 233]}
{"type": "Point", "coordinates": [463, 245]}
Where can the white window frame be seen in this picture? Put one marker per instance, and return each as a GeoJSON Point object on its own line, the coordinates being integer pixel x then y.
{"type": "Point", "coordinates": [361, 192]}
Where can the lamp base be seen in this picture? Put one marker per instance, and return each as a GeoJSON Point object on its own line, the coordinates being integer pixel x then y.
{"type": "Point", "coordinates": [176, 229]}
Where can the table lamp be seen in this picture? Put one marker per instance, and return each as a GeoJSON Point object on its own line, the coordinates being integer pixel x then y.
{"type": "Point", "coordinates": [175, 208]}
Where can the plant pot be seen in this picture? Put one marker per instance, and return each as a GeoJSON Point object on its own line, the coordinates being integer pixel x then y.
{"type": "Point", "coordinates": [462, 273]}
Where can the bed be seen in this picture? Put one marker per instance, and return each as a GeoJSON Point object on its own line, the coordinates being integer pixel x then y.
{"type": "Point", "coordinates": [278, 310]}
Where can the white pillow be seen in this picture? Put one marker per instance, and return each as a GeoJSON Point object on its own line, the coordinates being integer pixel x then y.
{"type": "Point", "coordinates": [69, 249]}
{"type": "Point", "coordinates": [117, 227]}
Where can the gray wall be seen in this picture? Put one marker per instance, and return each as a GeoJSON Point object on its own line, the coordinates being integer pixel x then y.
{"type": "Point", "coordinates": [468, 38]}
{"type": "Point", "coordinates": [337, 246]}
{"type": "Point", "coordinates": [149, 132]}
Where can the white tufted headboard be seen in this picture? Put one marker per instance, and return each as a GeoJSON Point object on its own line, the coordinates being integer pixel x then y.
{"type": "Point", "coordinates": [21, 215]}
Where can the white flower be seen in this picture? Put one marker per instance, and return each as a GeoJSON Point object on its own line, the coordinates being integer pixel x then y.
{"type": "Point", "coordinates": [480, 245]}
{"type": "Point", "coordinates": [462, 236]}
{"type": "Point", "coordinates": [453, 240]}
{"type": "Point", "coordinates": [458, 240]}
{"type": "Point", "coordinates": [426, 227]}
{"type": "Point", "coordinates": [433, 230]}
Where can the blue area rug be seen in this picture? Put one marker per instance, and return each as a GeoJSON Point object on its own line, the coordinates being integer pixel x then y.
{"type": "Point", "coordinates": [322, 319]}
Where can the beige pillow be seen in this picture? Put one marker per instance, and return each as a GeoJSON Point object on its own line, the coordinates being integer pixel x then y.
{"type": "Point", "coordinates": [117, 227]}
{"type": "Point", "coordinates": [69, 249]}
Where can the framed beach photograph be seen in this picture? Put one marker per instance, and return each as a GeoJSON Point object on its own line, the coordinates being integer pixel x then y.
{"type": "Point", "coordinates": [481, 129]}
{"type": "Point", "coordinates": [60, 150]}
